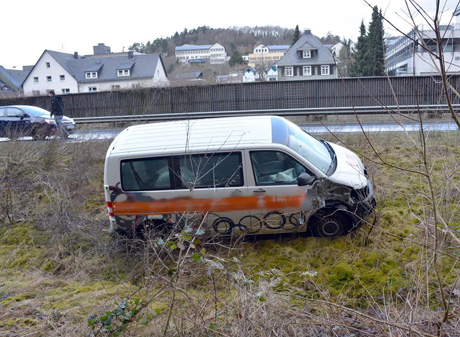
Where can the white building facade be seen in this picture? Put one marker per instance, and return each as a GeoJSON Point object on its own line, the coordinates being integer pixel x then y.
{"type": "Point", "coordinates": [264, 56]}
{"type": "Point", "coordinates": [196, 54]}
{"type": "Point", "coordinates": [48, 74]}
{"type": "Point", "coordinates": [412, 55]}
{"type": "Point", "coordinates": [70, 73]}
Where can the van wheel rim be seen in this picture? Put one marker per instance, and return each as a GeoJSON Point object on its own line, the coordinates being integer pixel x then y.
{"type": "Point", "coordinates": [331, 227]}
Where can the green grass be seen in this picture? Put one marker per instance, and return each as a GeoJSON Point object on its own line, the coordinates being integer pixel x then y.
{"type": "Point", "coordinates": [61, 263]}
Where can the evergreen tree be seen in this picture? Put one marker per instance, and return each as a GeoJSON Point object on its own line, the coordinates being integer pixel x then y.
{"type": "Point", "coordinates": [375, 46]}
{"type": "Point", "coordinates": [369, 54]}
{"type": "Point", "coordinates": [359, 54]}
{"type": "Point", "coordinates": [236, 57]}
{"type": "Point", "coordinates": [296, 35]}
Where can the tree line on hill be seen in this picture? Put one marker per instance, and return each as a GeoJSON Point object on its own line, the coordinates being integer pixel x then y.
{"type": "Point", "coordinates": [363, 58]}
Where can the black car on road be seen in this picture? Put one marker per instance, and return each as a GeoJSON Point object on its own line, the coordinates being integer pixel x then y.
{"type": "Point", "coordinates": [26, 120]}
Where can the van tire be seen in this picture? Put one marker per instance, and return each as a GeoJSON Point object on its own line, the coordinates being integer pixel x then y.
{"type": "Point", "coordinates": [330, 224]}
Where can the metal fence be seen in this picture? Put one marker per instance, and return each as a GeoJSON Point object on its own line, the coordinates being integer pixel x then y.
{"type": "Point", "coordinates": [349, 92]}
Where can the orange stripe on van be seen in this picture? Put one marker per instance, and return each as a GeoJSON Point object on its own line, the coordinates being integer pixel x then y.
{"type": "Point", "coordinates": [181, 205]}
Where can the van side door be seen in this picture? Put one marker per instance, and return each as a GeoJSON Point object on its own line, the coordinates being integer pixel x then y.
{"type": "Point", "coordinates": [275, 183]}
{"type": "Point", "coordinates": [215, 183]}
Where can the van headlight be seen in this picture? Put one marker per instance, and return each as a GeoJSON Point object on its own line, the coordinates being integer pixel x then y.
{"type": "Point", "coordinates": [49, 121]}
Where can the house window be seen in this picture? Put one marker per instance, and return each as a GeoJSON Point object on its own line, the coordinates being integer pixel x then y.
{"type": "Point", "coordinates": [307, 54]}
{"type": "Point", "coordinates": [92, 89]}
{"type": "Point", "coordinates": [49, 79]}
{"type": "Point", "coordinates": [36, 92]}
{"type": "Point", "coordinates": [66, 91]}
{"type": "Point", "coordinates": [35, 79]}
{"type": "Point", "coordinates": [306, 70]}
{"type": "Point", "coordinates": [289, 71]}
{"type": "Point", "coordinates": [123, 72]}
{"type": "Point", "coordinates": [62, 77]}
{"type": "Point", "coordinates": [48, 65]}
{"type": "Point", "coordinates": [91, 74]}
{"type": "Point", "coordinates": [325, 70]}
{"type": "Point", "coordinates": [115, 87]}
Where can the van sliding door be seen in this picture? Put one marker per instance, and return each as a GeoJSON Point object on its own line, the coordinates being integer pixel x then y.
{"type": "Point", "coordinates": [215, 184]}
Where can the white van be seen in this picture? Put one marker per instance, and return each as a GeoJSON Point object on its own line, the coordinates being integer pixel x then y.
{"type": "Point", "coordinates": [235, 175]}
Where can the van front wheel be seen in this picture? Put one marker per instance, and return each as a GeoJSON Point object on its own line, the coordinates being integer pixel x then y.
{"type": "Point", "coordinates": [330, 225]}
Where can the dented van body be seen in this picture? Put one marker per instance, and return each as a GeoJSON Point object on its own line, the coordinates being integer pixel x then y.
{"type": "Point", "coordinates": [233, 176]}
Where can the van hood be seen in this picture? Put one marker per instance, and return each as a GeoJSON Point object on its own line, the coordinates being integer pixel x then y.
{"type": "Point", "coordinates": [349, 170]}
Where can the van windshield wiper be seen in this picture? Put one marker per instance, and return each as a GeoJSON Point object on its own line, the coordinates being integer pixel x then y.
{"type": "Point", "coordinates": [333, 164]}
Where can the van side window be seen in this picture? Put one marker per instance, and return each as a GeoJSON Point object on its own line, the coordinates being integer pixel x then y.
{"type": "Point", "coordinates": [211, 170]}
{"type": "Point", "coordinates": [275, 168]}
{"type": "Point", "coordinates": [146, 174]}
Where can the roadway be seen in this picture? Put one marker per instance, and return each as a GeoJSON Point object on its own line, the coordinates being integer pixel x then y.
{"type": "Point", "coordinates": [82, 135]}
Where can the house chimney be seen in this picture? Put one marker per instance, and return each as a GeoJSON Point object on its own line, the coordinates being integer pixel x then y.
{"type": "Point", "coordinates": [130, 54]}
{"type": "Point", "coordinates": [75, 55]}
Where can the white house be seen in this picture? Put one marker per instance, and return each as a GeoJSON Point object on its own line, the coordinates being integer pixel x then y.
{"type": "Point", "coordinates": [250, 75]}
{"type": "Point", "coordinates": [190, 54]}
{"type": "Point", "coordinates": [265, 55]}
{"type": "Point", "coordinates": [271, 74]}
{"type": "Point", "coordinates": [307, 59]}
{"type": "Point", "coordinates": [336, 48]}
{"type": "Point", "coordinates": [70, 73]}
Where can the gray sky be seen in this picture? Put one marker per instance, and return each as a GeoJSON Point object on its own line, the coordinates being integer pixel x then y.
{"type": "Point", "coordinates": [31, 26]}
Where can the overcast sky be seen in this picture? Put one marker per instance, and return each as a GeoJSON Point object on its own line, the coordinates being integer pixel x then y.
{"type": "Point", "coordinates": [31, 26]}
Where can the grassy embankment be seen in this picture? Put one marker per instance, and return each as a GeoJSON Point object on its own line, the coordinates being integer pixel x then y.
{"type": "Point", "coordinates": [59, 265]}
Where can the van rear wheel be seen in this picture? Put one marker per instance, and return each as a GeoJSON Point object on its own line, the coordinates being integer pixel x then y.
{"type": "Point", "coordinates": [330, 224]}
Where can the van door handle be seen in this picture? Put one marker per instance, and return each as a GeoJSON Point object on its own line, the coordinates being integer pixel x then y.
{"type": "Point", "coordinates": [260, 190]}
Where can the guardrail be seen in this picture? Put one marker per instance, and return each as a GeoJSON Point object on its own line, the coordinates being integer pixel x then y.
{"type": "Point", "coordinates": [363, 110]}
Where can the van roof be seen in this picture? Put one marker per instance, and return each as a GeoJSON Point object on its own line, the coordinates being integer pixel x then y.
{"type": "Point", "coordinates": [210, 134]}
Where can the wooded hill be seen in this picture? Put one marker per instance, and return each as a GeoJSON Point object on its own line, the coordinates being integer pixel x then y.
{"type": "Point", "coordinates": [237, 41]}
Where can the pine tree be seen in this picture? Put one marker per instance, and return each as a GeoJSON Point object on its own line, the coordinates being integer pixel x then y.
{"type": "Point", "coordinates": [296, 35]}
{"type": "Point", "coordinates": [359, 54]}
{"type": "Point", "coordinates": [375, 46]}
{"type": "Point", "coordinates": [369, 54]}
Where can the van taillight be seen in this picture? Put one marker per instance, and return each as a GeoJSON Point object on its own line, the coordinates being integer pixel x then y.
{"type": "Point", "coordinates": [109, 208]}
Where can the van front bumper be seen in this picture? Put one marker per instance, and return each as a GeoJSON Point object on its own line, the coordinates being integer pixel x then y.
{"type": "Point", "coordinates": [365, 203]}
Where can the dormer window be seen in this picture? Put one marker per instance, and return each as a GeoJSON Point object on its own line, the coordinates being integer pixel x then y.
{"type": "Point", "coordinates": [123, 72]}
{"type": "Point", "coordinates": [124, 69]}
{"type": "Point", "coordinates": [306, 54]}
{"type": "Point", "coordinates": [92, 71]}
{"type": "Point", "coordinates": [91, 74]}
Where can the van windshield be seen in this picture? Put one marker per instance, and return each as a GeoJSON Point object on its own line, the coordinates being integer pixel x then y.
{"type": "Point", "coordinates": [310, 148]}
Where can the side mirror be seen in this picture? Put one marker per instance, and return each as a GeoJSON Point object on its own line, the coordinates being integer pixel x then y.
{"type": "Point", "coordinates": [305, 179]}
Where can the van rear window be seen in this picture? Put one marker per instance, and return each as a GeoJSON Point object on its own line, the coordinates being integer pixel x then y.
{"type": "Point", "coordinates": [146, 174]}
{"type": "Point", "coordinates": [182, 172]}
